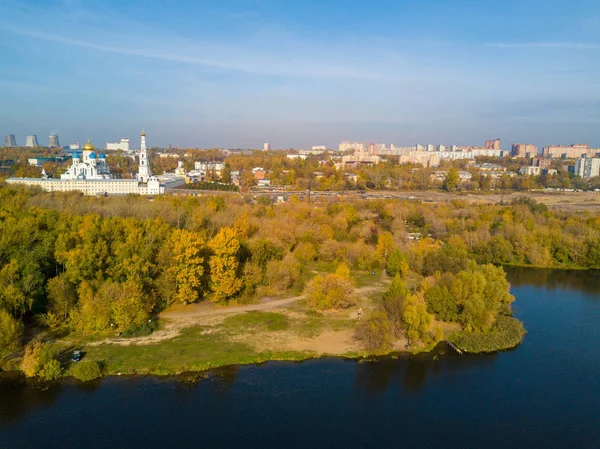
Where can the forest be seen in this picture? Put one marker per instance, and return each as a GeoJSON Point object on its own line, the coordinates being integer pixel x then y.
{"type": "Point", "coordinates": [87, 265]}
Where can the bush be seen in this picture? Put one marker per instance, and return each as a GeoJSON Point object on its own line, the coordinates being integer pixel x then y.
{"type": "Point", "coordinates": [142, 330]}
{"type": "Point", "coordinates": [376, 332]}
{"type": "Point", "coordinates": [86, 370]}
{"type": "Point", "coordinates": [51, 370]}
{"type": "Point", "coordinates": [506, 333]}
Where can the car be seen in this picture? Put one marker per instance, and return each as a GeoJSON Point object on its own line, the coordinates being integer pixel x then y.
{"type": "Point", "coordinates": [76, 357]}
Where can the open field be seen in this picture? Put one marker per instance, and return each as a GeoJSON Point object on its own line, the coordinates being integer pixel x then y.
{"type": "Point", "coordinates": [565, 201]}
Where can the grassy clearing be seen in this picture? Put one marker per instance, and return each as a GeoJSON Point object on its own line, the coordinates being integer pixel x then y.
{"type": "Point", "coordinates": [195, 349]}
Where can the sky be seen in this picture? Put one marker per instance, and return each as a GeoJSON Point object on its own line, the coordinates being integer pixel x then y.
{"type": "Point", "coordinates": [236, 74]}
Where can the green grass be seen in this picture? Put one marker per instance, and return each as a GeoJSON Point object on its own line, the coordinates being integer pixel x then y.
{"type": "Point", "coordinates": [256, 322]}
{"type": "Point", "coordinates": [194, 349]}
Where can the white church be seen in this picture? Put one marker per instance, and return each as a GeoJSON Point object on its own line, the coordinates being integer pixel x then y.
{"type": "Point", "coordinates": [90, 174]}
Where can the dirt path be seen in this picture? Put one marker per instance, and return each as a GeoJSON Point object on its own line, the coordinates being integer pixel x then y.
{"type": "Point", "coordinates": [205, 309]}
{"type": "Point", "coordinates": [179, 317]}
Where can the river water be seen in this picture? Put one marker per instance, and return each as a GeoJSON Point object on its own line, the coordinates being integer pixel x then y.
{"type": "Point", "coordinates": [545, 393]}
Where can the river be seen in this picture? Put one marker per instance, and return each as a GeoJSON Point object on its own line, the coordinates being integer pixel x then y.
{"type": "Point", "coordinates": [545, 393]}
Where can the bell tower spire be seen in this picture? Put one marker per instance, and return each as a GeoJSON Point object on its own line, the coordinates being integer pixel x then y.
{"type": "Point", "coordinates": [143, 168]}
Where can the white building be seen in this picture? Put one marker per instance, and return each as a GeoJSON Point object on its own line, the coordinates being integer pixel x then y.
{"type": "Point", "coordinates": [354, 146]}
{"type": "Point", "coordinates": [88, 165]}
{"type": "Point", "coordinates": [588, 167]}
{"type": "Point", "coordinates": [89, 174]}
{"type": "Point", "coordinates": [122, 145]}
{"type": "Point", "coordinates": [267, 147]}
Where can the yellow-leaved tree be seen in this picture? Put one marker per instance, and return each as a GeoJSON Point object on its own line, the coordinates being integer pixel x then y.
{"type": "Point", "coordinates": [224, 265]}
{"type": "Point", "coordinates": [187, 266]}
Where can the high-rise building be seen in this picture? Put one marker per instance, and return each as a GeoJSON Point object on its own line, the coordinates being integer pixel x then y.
{"type": "Point", "coordinates": [267, 147]}
{"type": "Point", "coordinates": [31, 141]}
{"type": "Point", "coordinates": [523, 150]}
{"type": "Point", "coordinates": [352, 146]}
{"type": "Point", "coordinates": [492, 144]}
{"type": "Point", "coordinates": [587, 167]}
{"type": "Point", "coordinates": [53, 141]}
{"type": "Point", "coordinates": [122, 145]}
{"type": "Point", "coordinates": [566, 151]}
{"type": "Point", "coordinates": [10, 141]}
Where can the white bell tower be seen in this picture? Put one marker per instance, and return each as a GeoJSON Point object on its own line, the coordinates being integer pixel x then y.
{"type": "Point", "coordinates": [143, 168]}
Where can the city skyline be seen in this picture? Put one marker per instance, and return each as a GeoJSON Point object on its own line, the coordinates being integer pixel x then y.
{"type": "Point", "coordinates": [294, 76]}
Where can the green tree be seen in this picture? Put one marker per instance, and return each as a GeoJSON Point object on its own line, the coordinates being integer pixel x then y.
{"type": "Point", "coordinates": [11, 331]}
{"type": "Point", "coordinates": [376, 332]}
{"type": "Point", "coordinates": [451, 181]}
{"type": "Point", "coordinates": [394, 302]}
{"type": "Point", "coordinates": [397, 264]}
{"type": "Point", "coordinates": [415, 317]}
{"type": "Point", "coordinates": [51, 370]}
{"type": "Point", "coordinates": [62, 299]}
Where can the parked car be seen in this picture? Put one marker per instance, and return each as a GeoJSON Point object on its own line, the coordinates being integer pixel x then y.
{"type": "Point", "coordinates": [76, 357]}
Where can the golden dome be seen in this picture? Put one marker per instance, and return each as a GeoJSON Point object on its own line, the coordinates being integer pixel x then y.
{"type": "Point", "coordinates": [143, 133]}
{"type": "Point", "coordinates": [88, 146]}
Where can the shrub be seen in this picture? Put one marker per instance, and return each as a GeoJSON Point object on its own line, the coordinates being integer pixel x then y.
{"type": "Point", "coordinates": [376, 332]}
{"type": "Point", "coordinates": [86, 370]}
{"type": "Point", "coordinates": [51, 370]}
{"type": "Point", "coordinates": [506, 333]}
{"type": "Point", "coordinates": [146, 328]}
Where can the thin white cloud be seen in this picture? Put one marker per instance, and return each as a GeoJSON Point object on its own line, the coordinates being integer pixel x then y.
{"type": "Point", "coordinates": [248, 63]}
{"type": "Point", "coordinates": [565, 45]}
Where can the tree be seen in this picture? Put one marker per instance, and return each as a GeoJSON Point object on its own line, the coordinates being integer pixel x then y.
{"type": "Point", "coordinates": [51, 370]}
{"type": "Point", "coordinates": [343, 270]}
{"type": "Point", "coordinates": [330, 292]}
{"type": "Point", "coordinates": [11, 331]}
{"type": "Point", "coordinates": [224, 265]}
{"type": "Point", "coordinates": [187, 265]}
{"type": "Point", "coordinates": [397, 264]}
{"type": "Point", "coordinates": [385, 244]}
{"type": "Point", "coordinates": [415, 317]}
{"type": "Point", "coordinates": [451, 181]}
{"type": "Point", "coordinates": [394, 302]}
{"type": "Point", "coordinates": [31, 358]}
{"type": "Point", "coordinates": [376, 332]}
{"type": "Point", "coordinates": [62, 298]}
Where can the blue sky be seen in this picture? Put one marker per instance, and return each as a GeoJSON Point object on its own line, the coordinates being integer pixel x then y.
{"type": "Point", "coordinates": [299, 73]}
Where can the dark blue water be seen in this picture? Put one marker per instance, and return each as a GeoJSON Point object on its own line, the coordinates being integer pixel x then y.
{"type": "Point", "coordinates": [545, 393]}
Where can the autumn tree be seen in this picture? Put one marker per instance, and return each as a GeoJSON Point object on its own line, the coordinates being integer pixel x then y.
{"type": "Point", "coordinates": [224, 264]}
{"type": "Point", "coordinates": [187, 265]}
{"type": "Point", "coordinates": [330, 292]}
{"type": "Point", "coordinates": [451, 181]}
{"type": "Point", "coordinates": [415, 317]}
